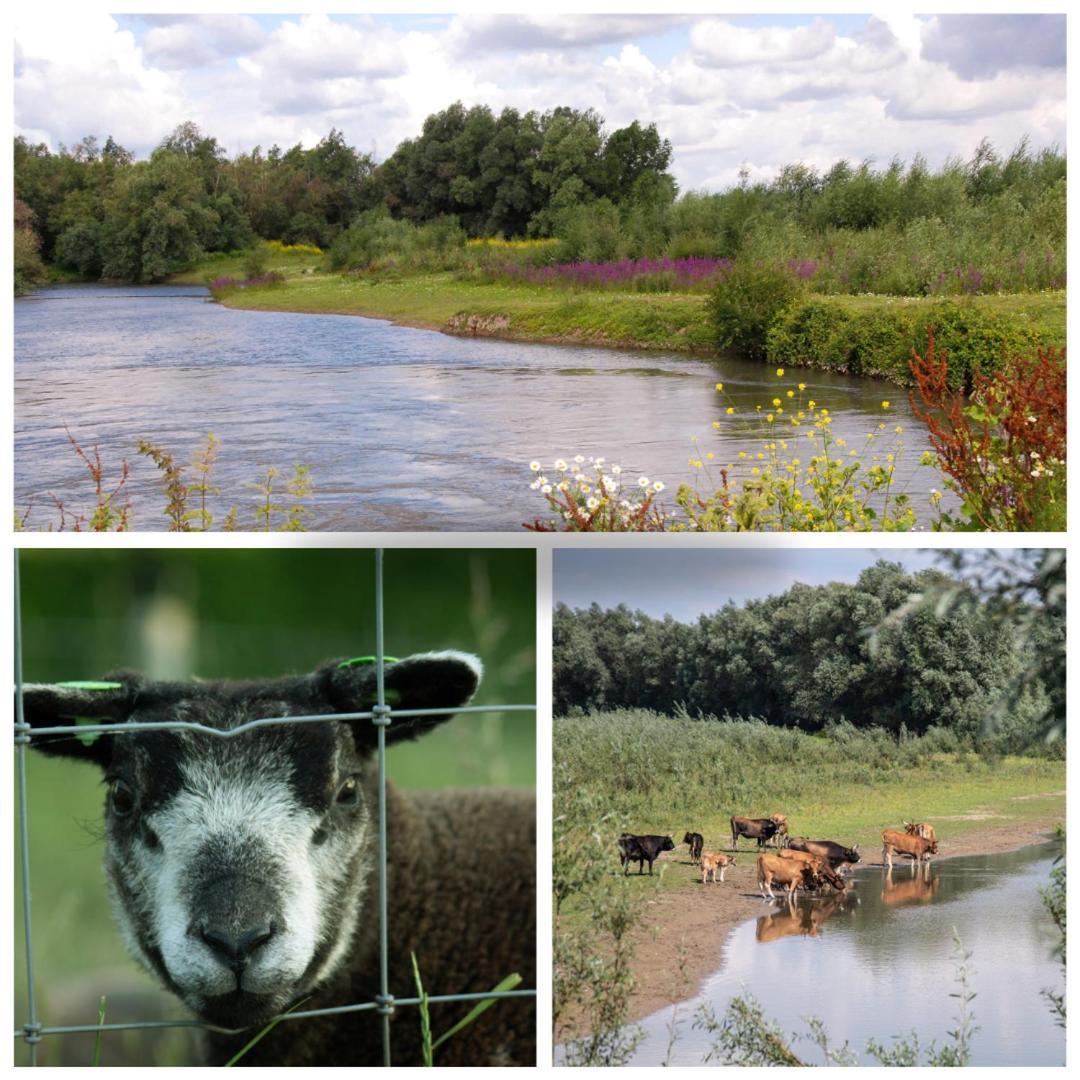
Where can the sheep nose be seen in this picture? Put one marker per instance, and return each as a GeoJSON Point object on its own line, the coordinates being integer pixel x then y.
{"type": "Point", "coordinates": [236, 949]}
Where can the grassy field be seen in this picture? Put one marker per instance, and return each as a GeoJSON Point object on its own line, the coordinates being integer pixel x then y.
{"type": "Point", "coordinates": [653, 774]}
{"type": "Point", "coordinates": [676, 322]}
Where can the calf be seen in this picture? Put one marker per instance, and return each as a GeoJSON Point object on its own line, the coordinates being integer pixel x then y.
{"type": "Point", "coordinates": [894, 842]}
{"type": "Point", "coordinates": [695, 841]}
{"type": "Point", "coordinates": [791, 873]}
{"type": "Point", "coordinates": [836, 853]}
{"type": "Point", "coordinates": [920, 828]}
{"type": "Point", "coordinates": [760, 829]}
{"type": "Point", "coordinates": [642, 849]}
{"type": "Point", "coordinates": [712, 861]}
{"type": "Point", "coordinates": [823, 871]}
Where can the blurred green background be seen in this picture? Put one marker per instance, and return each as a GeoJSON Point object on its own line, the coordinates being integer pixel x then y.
{"type": "Point", "coordinates": [238, 613]}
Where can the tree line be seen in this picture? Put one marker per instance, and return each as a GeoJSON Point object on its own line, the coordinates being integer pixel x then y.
{"type": "Point", "coordinates": [94, 210]}
{"type": "Point", "coordinates": [814, 656]}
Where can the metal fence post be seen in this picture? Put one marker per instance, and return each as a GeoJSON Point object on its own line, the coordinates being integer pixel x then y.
{"type": "Point", "coordinates": [32, 1027]}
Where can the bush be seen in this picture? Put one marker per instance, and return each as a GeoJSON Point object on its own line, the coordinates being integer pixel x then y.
{"type": "Point", "coordinates": [745, 303]}
{"type": "Point", "coordinates": [256, 261]}
{"type": "Point", "coordinates": [876, 337]}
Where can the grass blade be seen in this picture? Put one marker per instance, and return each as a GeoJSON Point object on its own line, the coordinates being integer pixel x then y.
{"type": "Point", "coordinates": [262, 1034]}
{"type": "Point", "coordinates": [426, 1049]}
{"type": "Point", "coordinates": [96, 1060]}
{"type": "Point", "coordinates": [508, 983]}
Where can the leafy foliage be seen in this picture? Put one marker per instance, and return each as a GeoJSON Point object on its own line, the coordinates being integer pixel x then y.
{"type": "Point", "coordinates": [1004, 448]}
{"type": "Point", "coordinates": [746, 301]}
{"type": "Point", "coordinates": [869, 654]}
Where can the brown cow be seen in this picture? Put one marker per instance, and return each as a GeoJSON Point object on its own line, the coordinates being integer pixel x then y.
{"type": "Point", "coordinates": [781, 828]}
{"type": "Point", "coordinates": [791, 873]}
{"type": "Point", "coordinates": [822, 870]}
{"type": "Point", "coordinates": [894, 842]}
{"type": "Point", "coordinates": [920, 828]}
{"type": "Point", "coordinates": [711, 861]}
{"type": "Point", "coordinates": [836, 854]}
{"type": "Point", "coordinates": [760, 829]}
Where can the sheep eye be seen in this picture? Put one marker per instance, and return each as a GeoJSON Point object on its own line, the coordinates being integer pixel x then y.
{"type": "Point", "coordinates": [122, 798]}
{"type": "Point", "coordinates": [349, 793]}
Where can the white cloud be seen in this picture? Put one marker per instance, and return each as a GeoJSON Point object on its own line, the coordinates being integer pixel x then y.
{"type": "Point", "coordinates": [730, 96]}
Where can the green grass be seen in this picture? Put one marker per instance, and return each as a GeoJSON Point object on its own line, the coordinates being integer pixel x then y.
{"type": "Point", "coordinates": [535, 313]}
{"type": "Point", "coordinates": [665, 775]}
{"type": "Point", "coordinates": [667, 321]}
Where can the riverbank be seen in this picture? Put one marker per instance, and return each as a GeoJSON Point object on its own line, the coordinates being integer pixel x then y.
{"type": "Point", "coordinates": [678, 941]}
{"type": "Point", "coordinates": [671, 322]}
{"type": "Point", "coordinates": [694, 921]}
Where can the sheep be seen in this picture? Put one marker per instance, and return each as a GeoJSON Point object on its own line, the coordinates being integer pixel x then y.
{"type": "Point", "coordinates": [243, 870]}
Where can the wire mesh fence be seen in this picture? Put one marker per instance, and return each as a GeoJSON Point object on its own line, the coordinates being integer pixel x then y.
{"type": "Point", "coordinates": [381, 716]}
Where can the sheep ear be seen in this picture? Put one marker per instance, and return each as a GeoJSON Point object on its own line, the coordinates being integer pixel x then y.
{"type": "Point", "coordinates": [424, 681]}
{"type": "Point", "coordinates": [65, 704]}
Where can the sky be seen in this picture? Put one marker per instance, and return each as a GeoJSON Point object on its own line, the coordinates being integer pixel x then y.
{"type": "Point", "coordinates": [686, 583]}
{"type": "Point", "coordinates": [731, 92]}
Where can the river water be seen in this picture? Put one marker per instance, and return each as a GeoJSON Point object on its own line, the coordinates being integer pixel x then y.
{"type": "Point", "coordinates": [880, 963]}
{"type": "Point", "coordinates": [403, 429]}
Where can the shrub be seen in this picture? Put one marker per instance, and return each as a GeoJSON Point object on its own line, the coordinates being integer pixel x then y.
{"type": "Point", "coordinates": [745, 303]}
{"type": "Point", "coordinates": [1003, 450]}
{"type": "Point", "coordinates": [256, 261]}
{"type": "Point", "coordinates": [876, 336]}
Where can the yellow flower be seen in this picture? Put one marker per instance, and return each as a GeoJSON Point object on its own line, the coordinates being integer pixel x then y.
{"type": "Point", "coordinates": [898, 429]}
{"type": "Point", "coordinates": [885, 404]}
{"type": "Point", "coordinates": [719, 386]}
{"type": "Point", "coordinates": [791, 393]}
{"type": "Point", "coordinates": [756, 472]}
{"type": "Point", "coordinates": [770, 418]}
{"type": "Point", "coordinates": [716, 423]}
{"type": "Point", "coordinates": [742, 453]}
{"type": "Point", "coordinates": [731, 411]}
{"type": "Point", "coordinates": [779, 372]}
{"type": "Point", "coordinates": [802, 386]}
{"type": "Point", "coordinates": [710, 455]}
{"type": "Point", "coordinates": [812, 403]}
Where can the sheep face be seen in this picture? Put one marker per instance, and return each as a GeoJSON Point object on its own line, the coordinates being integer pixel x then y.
{"type": "Point", "coordinates": [238, 870]}
{"type": "Point", "coordinates": [239, 867]}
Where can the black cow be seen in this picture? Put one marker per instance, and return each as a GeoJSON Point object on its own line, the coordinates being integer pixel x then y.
{"type": "Point", "coordinates": [642, 849]}
{"type": "Point", "coordinates": [695, 841]}
{"type": "Point", "coordinates": [836, 853]}
{"type": "Point", "coordinates": [759, 829]}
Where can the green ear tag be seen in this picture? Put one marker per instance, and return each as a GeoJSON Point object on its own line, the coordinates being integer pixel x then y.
{"type": "Point", "coordinates": [90, 736]}
{"type": "Point", "coordinates": [356, 660]}
{"type": "Point", "coordinates": [89, 684]}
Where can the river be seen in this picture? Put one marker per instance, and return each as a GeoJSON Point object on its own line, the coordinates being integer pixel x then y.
{"type": "Point", "coordinates": [880, 963]}
{"type": "Point", "coordinates": [402, 429]}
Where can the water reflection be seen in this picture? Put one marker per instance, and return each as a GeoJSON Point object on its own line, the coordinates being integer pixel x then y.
{"type": "Point", "coordinates": [888, 953]}
{"type": "Point", "coordinates": [804, 918]}
{"type": "Point", "coordinates": [917, 889]}
{"type": "Point", "coordinates": [402, 428]}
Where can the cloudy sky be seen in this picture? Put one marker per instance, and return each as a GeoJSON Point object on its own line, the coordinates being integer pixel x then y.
{"type": "Point", "coordinates": [689, 583]}
{"type": "Point", "coordinates": [730, 92]}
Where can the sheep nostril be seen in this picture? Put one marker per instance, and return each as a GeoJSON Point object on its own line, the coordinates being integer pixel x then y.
{"type": "Point", "coordinates": [236, 949]}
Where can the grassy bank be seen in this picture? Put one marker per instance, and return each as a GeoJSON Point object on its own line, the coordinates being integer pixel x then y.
{"type": "Point", "coordinates": [885, 327]}
{"type": "Point", "coordinates": [627, 946]}
{"type": "Point", "coordinates": [654, 774]}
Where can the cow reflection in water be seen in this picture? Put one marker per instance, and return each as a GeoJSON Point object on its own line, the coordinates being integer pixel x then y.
{"type": "Point", "coordinates": [919, 888]}
{"type": "Point", "coordinates": [803, 919]}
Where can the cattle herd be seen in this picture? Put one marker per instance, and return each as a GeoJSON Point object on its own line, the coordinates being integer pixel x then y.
{"type": "Point", "coordinates": [796, 863]}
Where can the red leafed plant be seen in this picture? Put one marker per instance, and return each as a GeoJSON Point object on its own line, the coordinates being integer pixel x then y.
{"type": "Point", "coordinates": [1003, 448]}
